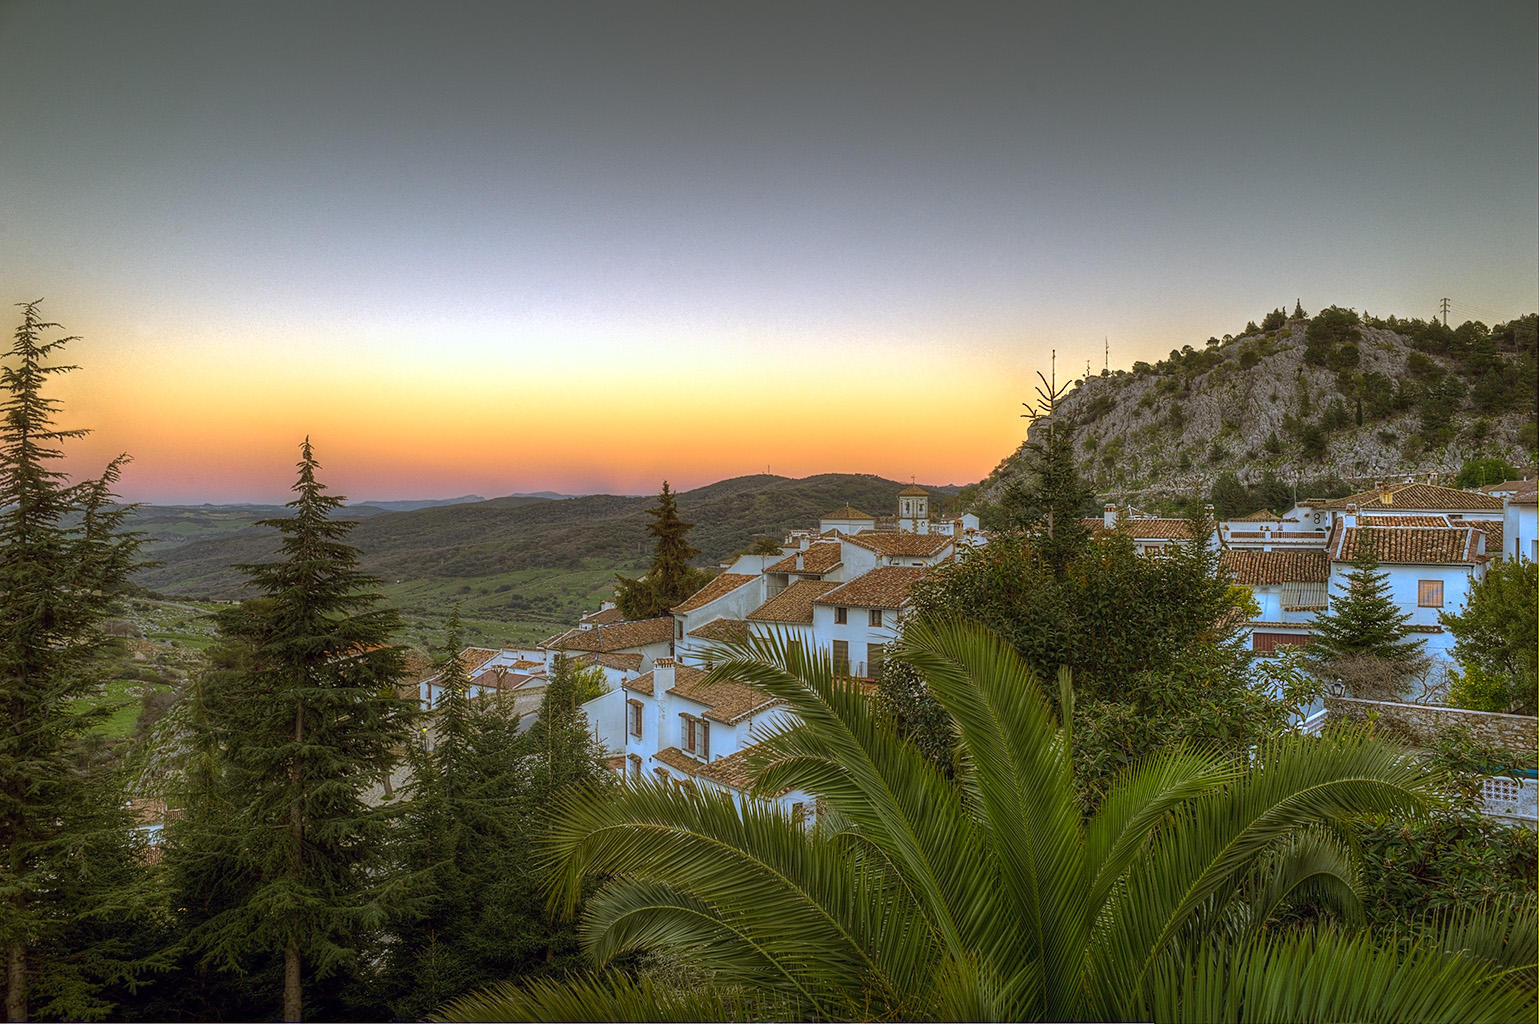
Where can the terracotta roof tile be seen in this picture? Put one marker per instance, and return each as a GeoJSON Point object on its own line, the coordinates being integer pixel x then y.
{"type": "Point", "coordinates": [474, 657]}
{"type": "Point", "coordinates": [914, 545]}
{"type": "Point", "coordinates": [603, 617]}
{"type": "Point", "coordinates": [1144, 529]}
{"type": "Point", "coordinates": [618, 637]}
{"type": "Point", "coordinates": [641, 684]}
{"type": "Point", "coordinates": [722, 585]}
{"type": "Point", "coordinates": [1493, 529]}
{"type": "Point", "coordinates": [1425, 522]}
{"type": "Point", "coordinates": [724, 630]}
{"type": "Point", "coordinates": [818, 558]}
{"type": "Point", "coordinates": [914, 491]}
{"type": "Point", "coordinates": [847, 512]}
{"type": "Point", "coordinates": [886, 586]}
{"type": "Point", "coordinates": [726, 701]}
{"type": "Point", "coordinates": [1426, 497]}
{"type": "Point", "coordinates": [794, 603]}
{"type": "Point", "coordinates": [1409, 546]}
{"type": "Point", "coordinates": [1264, 515]}
{"type": "Point", "coordinates": [622, 661]}
{"type": "Point", "coordinates": [676, 759]}
{"type": "Point", "coordinates": [1259, 568]}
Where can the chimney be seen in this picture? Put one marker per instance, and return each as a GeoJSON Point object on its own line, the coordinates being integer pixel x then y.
{"type": "Point", "coordinates": [798, 560]}
{"type": "Point", "coordinates": [662, 675]}
{"type": "Point", "coordinates": [1109, 515]}
{"type": "Point", "coordinates": [1349, 517]}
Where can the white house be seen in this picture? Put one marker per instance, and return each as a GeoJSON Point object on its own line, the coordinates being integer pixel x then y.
{"type": "Point", "coordinates": [857, 620]}
{"type": "Point", "coordinates": [1520, 525]}
{"type": "Point", "coordinates": [1430, 568]}
{"type": "Point", "coordinates": [1289, 588]}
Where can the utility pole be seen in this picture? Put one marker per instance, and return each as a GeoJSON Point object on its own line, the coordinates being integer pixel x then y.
{"type": "Point", "coordinates": [1445, 312]}
{"type": "Point", "coordinates": [1107, 364]}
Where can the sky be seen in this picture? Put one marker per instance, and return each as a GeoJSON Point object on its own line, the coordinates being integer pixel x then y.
{"type": "Point", "coordinates": [499, 248]}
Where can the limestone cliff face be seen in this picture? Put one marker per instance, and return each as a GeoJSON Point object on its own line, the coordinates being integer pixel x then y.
{"type": "Point", "coordinates": [1253, 405]}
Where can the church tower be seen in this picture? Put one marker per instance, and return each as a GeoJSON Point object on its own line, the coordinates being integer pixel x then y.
{"type": "Point", "coordinates": [914, 510]}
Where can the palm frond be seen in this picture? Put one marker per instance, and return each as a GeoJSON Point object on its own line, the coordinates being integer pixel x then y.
{"type": "Point", "coordinates": [1323, 975]}
{"type": "Point", "coordinates": [611, 996]}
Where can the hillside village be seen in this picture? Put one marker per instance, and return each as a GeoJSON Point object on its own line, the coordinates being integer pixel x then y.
{"type": "Point", "coordinates": [841, 590]}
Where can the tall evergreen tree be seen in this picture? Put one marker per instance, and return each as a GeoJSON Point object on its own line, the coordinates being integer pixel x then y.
{"type": "Point", "coordinates": [1364, 619]}
{"type": "Point", "coordinates": [671, 578]}
{"type": "Point", "coordinates": [1047, 503]}
{"type": "Point", "coordinates": [302, 721]}
{"type": "Point", "coordinates": [64, 561]}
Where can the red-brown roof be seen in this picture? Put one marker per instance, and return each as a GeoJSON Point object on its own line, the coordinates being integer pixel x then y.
{"type": "Point", "coordinates": [886, 586]}
{"type": "Point", "coordinates": [726, 701]}
{"type": "Point", "coordinates": [722, 585]}
{"type": "Point", "coordinates": [1144, 529]}
{"type": "Point", "coordinates": [1264, 515]}
{"type": "Point", "coordinates": [618, 637]}
{"type": "Point", "coordinates": [794, 603]}
{"type": "Point", "coordinates": [1259, 568]}
{"type": "Point", "coordinates": [724, 630]}
{"type": "Point", "coordinates": [914, 491]}
{"type": "Point", "coordinates": [847, 512]}
{"type": "Point", "coordinates": [620, 660]}
{"type": "Point", "coordinates": [1408, 545]}
{"type": "Point", "coordinates": [603, 617]}
{"type": "Point", "coordinates": [1425, 497]}
{"type": "Point", "coordinates": [818, 558]}
{"type": "Point", "coordinates": [913, 545]}
{"type": "Point", "coordinates": [1422, 521]}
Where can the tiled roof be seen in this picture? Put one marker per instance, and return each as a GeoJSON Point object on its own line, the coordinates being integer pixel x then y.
{"type": "Point", "coordinates": [1528, 497]}
{"type": "Point", "coordinates": [618, 637]}
{"type": "Point", "coordinates": [818, 558]}
{"type": "Point", "coordinates": [1427, 497]}
{"type": "Point", "coordinates": [913, 492]}
{"type": "Point", "coordinates": [474, 657]}
{"type": "Point", "coordinates": [914, 545]}
{"type": "Point", "coordinates": [1259, 568]}
{"type": "Point", "coordinates": [499, 677]}
{"type": "Point", "coordinates": [794, 603]}
{"type": "Point", "coordinates": [625, 662]}
{"type": "Point", "coordinates": [603, 617]}
{"type": "Point", "coordinates": [1144, 529]}
{"type": "Point", "coordinates": [722, 585]}
{"type": "Point", "coordinates": [886, 586]}
{"type": "Point", "coordinates": [1493, 529]}
{"type": "Point", "coordinates": [847, 512]}
{"type": "Point", "coordinates": [1264, 515]}
{"type": "Point", "coordinates": [641, 684]}
{"type": "Point", "coordinates": [676, 759]}
{"type": "Point", "coordinates": [1408, 545]}
{"type": "Point", "coordinates": [726, 701]}
{"type": "Point", "coordinates": [1508, 487]}
{"type": "Point", "coordinates": [1425, 522]}
{"type": "Point", "coordinates": [725, 630]}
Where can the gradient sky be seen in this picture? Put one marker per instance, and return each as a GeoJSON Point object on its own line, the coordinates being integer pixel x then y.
{"type": "Point", "coordinates": [582, 247]}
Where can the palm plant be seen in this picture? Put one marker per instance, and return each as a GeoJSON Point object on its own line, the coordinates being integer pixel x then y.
{"type": "Point", "coordinates": [991, 896]}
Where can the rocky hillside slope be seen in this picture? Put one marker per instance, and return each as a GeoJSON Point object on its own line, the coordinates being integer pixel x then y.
{"type": "Point", "coordinates": [1305, 398]}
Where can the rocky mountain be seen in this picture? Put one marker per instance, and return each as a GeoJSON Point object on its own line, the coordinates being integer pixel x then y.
{"type": "Point", "coordinates": [1332, 395]}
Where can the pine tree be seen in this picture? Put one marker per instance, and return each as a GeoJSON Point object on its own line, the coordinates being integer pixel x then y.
{"type": "Point", "coordinates": [1364, 620]}
{"type": "Point", "coordinates": [671, 578]}
{"type": "Point", "coordinates": [64, 562]}
{"type": "Point", "coordinates": [1048, 503]}
{"type": "Point", "coordinates": [302, 720]}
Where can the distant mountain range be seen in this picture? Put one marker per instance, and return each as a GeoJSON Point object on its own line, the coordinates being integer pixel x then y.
{"type": "Point", "coordinates": [470, 539]}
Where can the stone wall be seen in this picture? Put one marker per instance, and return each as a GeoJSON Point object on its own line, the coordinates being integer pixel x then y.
{"type": "Point", "coordinates": [1422, 722]}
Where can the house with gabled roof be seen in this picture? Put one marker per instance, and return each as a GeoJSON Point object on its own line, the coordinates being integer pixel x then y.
{"type": "Point", "coordinates": [1520, 524]}
{"type": "Point", "coordinates": [1289, 588]}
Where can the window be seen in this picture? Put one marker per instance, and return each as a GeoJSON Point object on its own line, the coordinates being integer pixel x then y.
{"type": "Point", "coordinates": [841, 615]}
{"type": "Point", "coordinates": [679, 630]}
{"type": "Point", "coordinates": [695, 736]}
{"type": "Point", "coordinates": [635, 763]}
{"type": "Point", "coordinates": [841, 657]}
{"type": "Point", "coordinates": [875, 654]}
{"type": "Point", "coordinates": [633, 717]}
{"type": "Point", "coordinates": [1429, 593]}
{"type": "Point", "coordinates": [876, 616]}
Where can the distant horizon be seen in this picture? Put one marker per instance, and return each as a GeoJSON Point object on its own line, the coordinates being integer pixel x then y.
{"type": "Point", "coordinates": [350, 501]}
